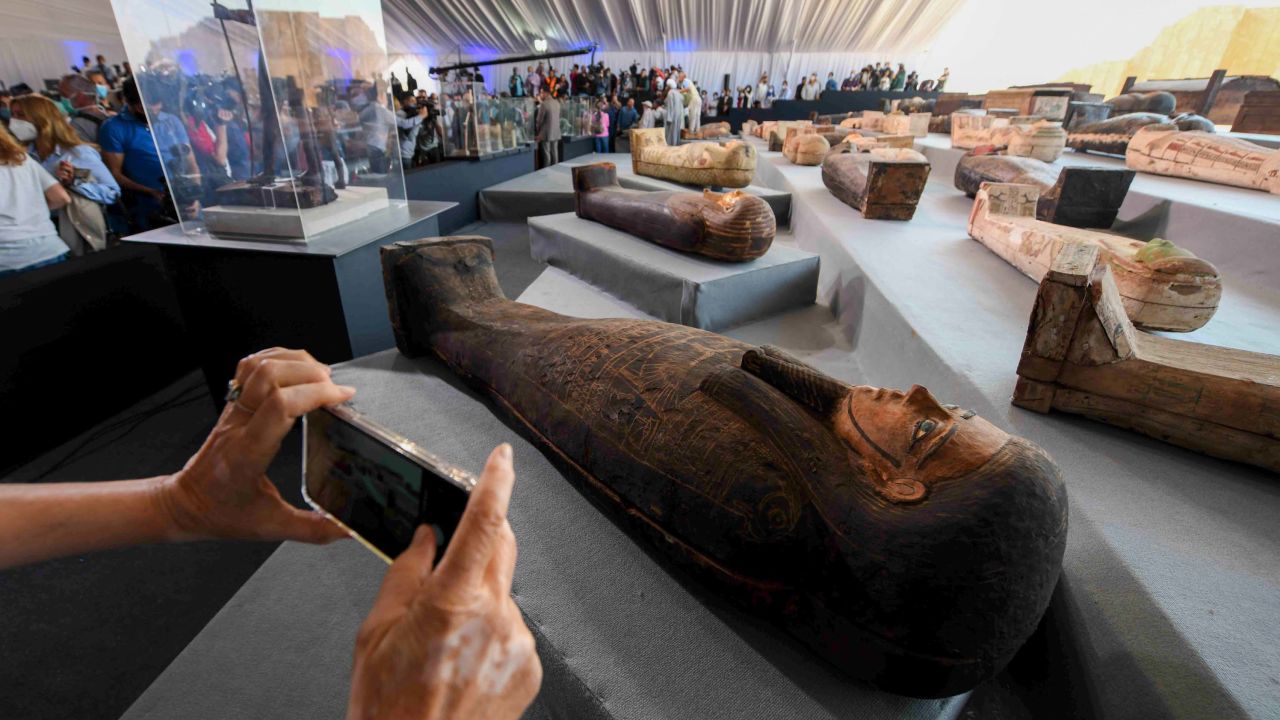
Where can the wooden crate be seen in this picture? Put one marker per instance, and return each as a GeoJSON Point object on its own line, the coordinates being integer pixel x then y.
{"type": "Point", "coordinates": [1259, 113]}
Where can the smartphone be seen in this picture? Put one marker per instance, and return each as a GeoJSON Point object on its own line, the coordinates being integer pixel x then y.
{"type": "Point", "coordinates": [82, 173]}
{"type": "Point", "coordinates": [377, 485]}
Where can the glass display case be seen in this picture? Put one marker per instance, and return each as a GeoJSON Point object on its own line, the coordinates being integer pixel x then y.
{"type": "Point", "coordinates": [272, 118]}
{"type": "Point", "coordinates": [476, 123]}
{"type": "Point", "coordinates": [575, 116]}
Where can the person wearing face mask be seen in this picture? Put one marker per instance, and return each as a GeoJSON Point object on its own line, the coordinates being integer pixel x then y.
{"type": "Point", "coordinates": [82, 223]}
{"type": "Point", "coordinates": [108, 74]}
{"type": "Point", "coordinates": [28, 193]}
{"type": "Point", "coordinates": [84, 94]}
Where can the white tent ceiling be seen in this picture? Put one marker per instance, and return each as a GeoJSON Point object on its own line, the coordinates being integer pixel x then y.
{"type": "Point", "coordinates": [495, 28]}
{"type": "Point", "coordinates": [41, 38]}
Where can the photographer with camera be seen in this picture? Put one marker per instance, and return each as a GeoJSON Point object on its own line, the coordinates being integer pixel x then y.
{"type": "Point", "coordinates": [426, 615]}
{"type": "Point", "coordinates": [133, 150]}
{"type": "Point", "coordinates": [408, 124]}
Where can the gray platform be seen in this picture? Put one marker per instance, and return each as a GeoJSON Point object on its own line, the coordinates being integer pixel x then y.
{"type": "Point", "coordinates": [550, 190]}
{"type": "Point", "coordinates": [1171, 583]}
{"type": "Point", "coordinates": [671, 285]}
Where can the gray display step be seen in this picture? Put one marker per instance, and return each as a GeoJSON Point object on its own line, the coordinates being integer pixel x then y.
{"type": "Point", "coordinates": [671, 285]}
{"type": "Point", "coordinates": [550, 190]}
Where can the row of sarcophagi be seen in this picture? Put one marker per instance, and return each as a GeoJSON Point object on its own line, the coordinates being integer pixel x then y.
{"type": "Point", "coordinates": [909, 542]}
{"type": "Point", "coordinates": [887, 530]}
{"type": "Point", "coordinates": [1029, 212]}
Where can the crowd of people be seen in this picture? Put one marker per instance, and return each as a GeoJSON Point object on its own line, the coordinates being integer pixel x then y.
{"type": "Point", "coordinates": [127, 168]}
{"type": "Point", "coordinates": [58, 161]}
{"type": "Point", "coordinates": [881, 76]}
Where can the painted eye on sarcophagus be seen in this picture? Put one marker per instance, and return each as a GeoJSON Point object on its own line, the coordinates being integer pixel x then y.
{"type": "Point", "coordinates": [923, 428]}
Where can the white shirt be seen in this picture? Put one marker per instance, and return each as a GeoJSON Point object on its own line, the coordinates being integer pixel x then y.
{"type": "Point", "coordinates": [761, 90]}
{"type": "Point", "coordinates": [27, 235]}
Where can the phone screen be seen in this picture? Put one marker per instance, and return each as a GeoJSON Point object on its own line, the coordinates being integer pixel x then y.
{"type": "Point", "coordinates": [82, 173]}
{"type": "Point", "coordinates": [376, 487]}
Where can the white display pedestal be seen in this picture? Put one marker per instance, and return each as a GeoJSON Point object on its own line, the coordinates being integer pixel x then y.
{"type": "Point", "coordinates": [291, 224]}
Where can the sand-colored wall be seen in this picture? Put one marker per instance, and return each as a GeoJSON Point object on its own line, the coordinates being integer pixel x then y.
{"type": "Point", "coordinates": [1242, 40]}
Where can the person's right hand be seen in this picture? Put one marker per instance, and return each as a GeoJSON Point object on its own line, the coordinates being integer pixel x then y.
{"type": "Point", "coordinates": [449, 642]}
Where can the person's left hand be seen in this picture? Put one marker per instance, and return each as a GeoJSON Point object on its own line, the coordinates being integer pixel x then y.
{"type": "Point", "coordinates": [66, 173]}
{"type": "Point", "coordinates": [223, 491]}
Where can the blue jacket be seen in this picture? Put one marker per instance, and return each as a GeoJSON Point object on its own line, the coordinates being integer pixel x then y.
{"type": "Point", "coordinates": [627, 117]}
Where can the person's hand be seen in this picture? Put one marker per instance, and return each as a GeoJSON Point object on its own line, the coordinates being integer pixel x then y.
{"type": "Point", "coordinates": [223, 491]}
{"type": "Point", "coordinates": [159, 195]}
{"type": "Point", "coordinates": [65, 173]}
{"type": "Point", "coordinates": [449, 642]}
{"type": "Point", "coordinates": [224, 116]}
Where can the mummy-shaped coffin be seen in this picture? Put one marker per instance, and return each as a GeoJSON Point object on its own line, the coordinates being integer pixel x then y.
{"type": "Point", "coordinates": [708, 131]}
{"type": "Point", "coordinates": [1075, 196]}
{"type": "Point", "coordinates": [700, 163]}
{"type": "Point", "coordinates": [1082, 355]}
{"type": "Point", "coordinates": [1165, 150]}
{"type": "Point", "coordinates": [882, 183]}
{"type": "Point", "coordinates": [1113, 134]}
{"type": "Point", "coordinates": [765, 129]}
{"type": "Point", "coordinates": [729, 226]}
{"type": "Point", "coordinates": [910, 543]}
{"type": "Point", "coordinates": [810, 149]}
{"type": "Point", "coordinates": [805, 146]}
{"type": "Point", "coordinates": [899, 123]}
{"type": "Point", "coordinates": [1162, 286]}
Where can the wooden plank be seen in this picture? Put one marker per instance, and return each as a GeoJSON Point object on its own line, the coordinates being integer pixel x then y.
{"type": "Point", "coordinates": [1211, 92]}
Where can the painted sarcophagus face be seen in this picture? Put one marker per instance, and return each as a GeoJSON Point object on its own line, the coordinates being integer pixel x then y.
{"type": "Point", "coordinates": [1083, 355]}
{"type": "Point", "coordinates": [729, 226]}
{"type": "Point", "coordinates": [1162, 286]}
{"type": "Point", "coordinates": [911, 543]}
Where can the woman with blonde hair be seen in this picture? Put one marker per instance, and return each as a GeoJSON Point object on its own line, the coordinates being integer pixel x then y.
{"type": "Point", "coordinates": [28, 193]}
{"type": "Point", "coordinates": [78, 166]}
